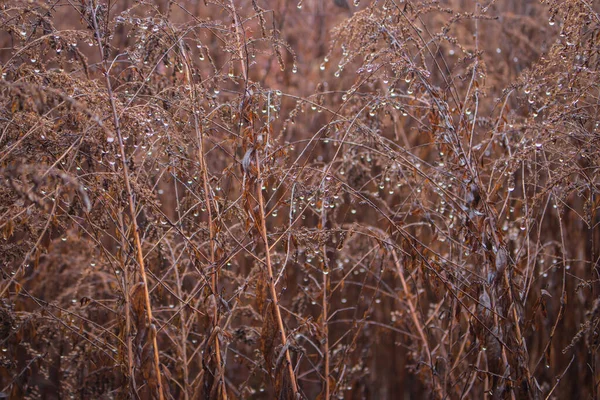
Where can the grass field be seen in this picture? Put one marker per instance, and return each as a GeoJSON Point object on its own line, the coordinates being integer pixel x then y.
{"type": "Point", "coordinates": [314, 199]}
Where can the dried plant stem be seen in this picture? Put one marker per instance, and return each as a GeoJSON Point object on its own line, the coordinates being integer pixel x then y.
{"type": "Point", "coordinates": [416, 321]}
{"type": "Point", "coordinates": [131, 200]}
{"type": "Point", "coordinates": [271, 279]}
{"type": "Point", "coordinates": [214, 276]}
{"type": "Point", "coordinates": [237, 25]}
{"type": "Point", "coordinates": [325, 326]}
{"type": "Point", "coordinates": [127, 333]}
{"type": "Point", "coordinates": [211, 220]}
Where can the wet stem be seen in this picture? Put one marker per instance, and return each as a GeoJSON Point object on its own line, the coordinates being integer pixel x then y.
{"type": "Point", "coordinates": [325, 326]}
{"type": "Point", "coordinates": [211, 223]}
{"type": "Point", "coordinates": [416, 321]}
{"type": "Point", "coordinates": [131, 199]}
{"type": "Point", "coordinates": [126, 283]}
{"type": "Point", "coordinates": [271, 280]}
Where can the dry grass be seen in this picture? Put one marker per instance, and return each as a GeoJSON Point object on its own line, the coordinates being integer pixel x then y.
{"type": "Point", "coordinates": [263, 199]}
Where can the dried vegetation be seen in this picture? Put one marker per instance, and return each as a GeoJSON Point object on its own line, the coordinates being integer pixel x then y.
{"type": "Point", "coordinates": [268, 199]}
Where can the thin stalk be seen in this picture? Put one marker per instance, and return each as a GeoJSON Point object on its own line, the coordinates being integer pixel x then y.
{"type": "Point", "coordinates": [271, 280]}
{"type": "Point", "coordinates": [211, 222]}
{"type": "Point", "coordinates": [325, 326]}
{"type": "Point", "coordinates": [131, 200]}
{"type": "Point", "coordinates": [127, 333]}
{"type": "Point", "coordinates": [417, 323]}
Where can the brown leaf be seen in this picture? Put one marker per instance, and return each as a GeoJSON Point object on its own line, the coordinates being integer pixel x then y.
{"type": "Point", "coordinates": [268, 335]}
{"type": "Point", "coordinates": [501, 260]}
{"type": "Point", "coordinates": [137, 301]}
{"type": "Point", "coordinates": [261, 292]}
{"type": "Point", "coordinates": [9, 229]}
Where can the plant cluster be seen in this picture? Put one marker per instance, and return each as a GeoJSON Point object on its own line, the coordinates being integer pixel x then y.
{"type": "Point", "coordinates": [226, 199]}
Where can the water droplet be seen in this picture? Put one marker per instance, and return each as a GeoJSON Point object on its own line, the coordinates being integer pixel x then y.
{"type": "Point", "coordinates": [511, 185]}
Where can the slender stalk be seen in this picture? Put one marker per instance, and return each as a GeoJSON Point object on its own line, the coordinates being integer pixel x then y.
{"type": "Point", "coordinates": [131, 200]}
{"type": "Point", "coordinates": [325, 326]}
{"type": "Point", "coordinates": [417, 323]}
{"type": "Point", "coordinates": [271, 279]}
{"type": "Point", "coordinates": [127, 338]}
{"type": "Point", "coordinates": [211, 221]}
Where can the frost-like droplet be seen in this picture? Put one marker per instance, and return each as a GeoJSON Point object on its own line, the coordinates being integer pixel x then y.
{"type": "Point", "coordinates": [511, 184]}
